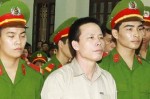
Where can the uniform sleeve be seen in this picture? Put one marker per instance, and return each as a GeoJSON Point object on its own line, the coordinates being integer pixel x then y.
{"type": "Point", "coordinates": [53, 87]}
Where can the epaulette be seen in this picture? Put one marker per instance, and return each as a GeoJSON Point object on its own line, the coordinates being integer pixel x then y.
{"type": "Point", "coordinates": [49, 67]}
{"type": "Point", "coordinates": [105, 54]}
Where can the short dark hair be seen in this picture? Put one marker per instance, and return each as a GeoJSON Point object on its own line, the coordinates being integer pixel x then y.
{"type": "Point", "coordinates": [75, 32]}
{"type": "Point", "coordinates": [105, 29]}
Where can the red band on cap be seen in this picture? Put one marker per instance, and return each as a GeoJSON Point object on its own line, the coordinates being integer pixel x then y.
{"type": "Point", "coordinates": [11, 18]}
{"type": "Point", "coordinates": [39, 58]}
{"type": "Point", "coordinates": [147, 19]}
{"type": "Point", "coordinates": [62, 33]}
{"type": "Point", "coordinates": [126, 13]}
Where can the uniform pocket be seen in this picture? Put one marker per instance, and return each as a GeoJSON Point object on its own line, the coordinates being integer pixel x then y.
{"type": "Point", "coordinates": [122, 91]}
{"type": "Point", "coordinates": [144, 91]}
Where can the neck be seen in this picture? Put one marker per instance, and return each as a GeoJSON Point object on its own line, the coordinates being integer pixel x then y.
{"type": "Point", "coordinates": [62, 58]}
{"type": "Point", "coordinates": [127, 55]}
{"type": "Point", "coordinates": [87, 66]}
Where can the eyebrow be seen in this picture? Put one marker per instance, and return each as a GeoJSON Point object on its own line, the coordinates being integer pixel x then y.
{"type": "Point", "coordinates": [14, 32]}
{"type": "Point", "coordinates": [133, 26]}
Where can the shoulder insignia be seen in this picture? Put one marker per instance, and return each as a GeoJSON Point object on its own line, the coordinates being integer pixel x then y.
{"type": "Point", "coordinates": [49, 67]}
{"type": "Point", "coordinates": [105, 54]}
{"type": "Point", "coordinates": [23, 70]}
{"type": "Point", "coordinates": [139, 59]}
{"type": "Point", "coordinates": [1, 71]}
{"type": "Point", "coordinates": [33, 66]}
{"type": "Point", "coordinates": [116, 58]}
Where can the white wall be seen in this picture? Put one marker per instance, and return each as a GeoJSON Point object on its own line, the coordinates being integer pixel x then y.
{"type": "Point", "coordinates": [69, 8]}
{"type": "Point", "coordinates": [29, 24]}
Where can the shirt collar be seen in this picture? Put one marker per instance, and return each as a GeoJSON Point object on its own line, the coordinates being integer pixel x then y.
{"type": "Point", "coordinates": [78, 71]}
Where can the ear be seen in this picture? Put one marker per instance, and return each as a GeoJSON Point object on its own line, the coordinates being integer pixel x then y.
{"type": "Point", "coordinates": [75, 45]}
{"type": "Point", "coordinates": [60, 44]}
{"type": "Point", "coordinates": [115, 33]}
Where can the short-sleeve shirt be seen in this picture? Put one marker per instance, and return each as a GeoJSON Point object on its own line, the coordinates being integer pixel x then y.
{"type": "Point", "coordinates": [131, 84]}
{"type": "Point", "coordinates": [70, 82]}
{"type": "Point", "coordinates": [27, 85]}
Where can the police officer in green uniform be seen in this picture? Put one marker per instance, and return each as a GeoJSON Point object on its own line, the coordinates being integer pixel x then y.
{"type": "Point", "coordinates": [17, 79]}
{"type": "Point", "coordinates": [63, 55]}
{"type": "Point", "coordinates": [144, 50]}
{"type": "Point", "coordinates": [131, 73]}
{"type": "Point", "coordinates": [38, 59]}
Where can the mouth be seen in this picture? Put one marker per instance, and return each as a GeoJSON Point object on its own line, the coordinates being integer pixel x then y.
{"type": "Point", "coordinates": [136, 41]}
{"type": "Point", "coordinates": [19, 49]}
{"type": "Point", "coordinates": [99, 51]}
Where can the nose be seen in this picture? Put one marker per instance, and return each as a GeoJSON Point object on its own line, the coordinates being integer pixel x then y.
{"type": "Point", "coordinates": [136, 33]}
{"type": "Point", "coordinates": [18, 40]}
{"type": "Point", "coordinates": [100, 42]}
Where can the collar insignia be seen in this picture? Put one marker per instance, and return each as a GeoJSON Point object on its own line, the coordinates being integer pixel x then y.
{"type": "Point", "coordinates": [1, 72]}
{"type": "Point", "coordinates": [15, 11]}
{"type": "Point", "coordinates": [23, 70]}
{"type": "Point", "coordinates": [116, 58]}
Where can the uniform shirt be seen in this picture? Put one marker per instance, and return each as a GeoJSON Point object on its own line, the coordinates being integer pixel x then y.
{"type": "Point", "coordinates": [69, 82]}
{"type": "Point", "coordinates": [50, 66]}
{"type": "Point", "coordinates": [131, 84]}
{"type": "Point", "coordinates": [27, 85]}
{"type": "Point", "coordinates": [148, 54]}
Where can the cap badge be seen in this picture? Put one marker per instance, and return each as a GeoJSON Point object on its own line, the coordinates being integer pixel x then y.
{"type": "Point", "coordinates": [132, 5]}
{"type": "Point", "coordinates": [39, 55]}
{"type": "Point", "coordinates": [15, 11]}
{"type": "Point", "coordinates": [146, 13]}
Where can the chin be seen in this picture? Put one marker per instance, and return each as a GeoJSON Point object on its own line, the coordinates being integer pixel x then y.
{"type": "Point", "coordinates": [98, 58]}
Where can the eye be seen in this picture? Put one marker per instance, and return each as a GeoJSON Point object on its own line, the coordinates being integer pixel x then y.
{"type": "Point", "coordinates": [101, 37]}
{"type": "Point", "coordinates": [141, 29]}
{"type": "Point", "coordinates": [91, 37]}
{"type": "Point", "coordinates": [129, 29]}
{"type": "Point", "coordinates": [23, 35]}
{"type": "Point", "coordinates": [147, 29]}
{"type": "Point", "coordinates": [11, 36]}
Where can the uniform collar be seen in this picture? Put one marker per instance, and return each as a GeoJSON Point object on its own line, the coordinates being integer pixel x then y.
{"type": "Point", "coordinates": [118, 58]}
{"type": "Point", "coordinates": [21, 68]}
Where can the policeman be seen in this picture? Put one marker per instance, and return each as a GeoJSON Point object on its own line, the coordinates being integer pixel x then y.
{"type": "Point", "coordinates": [38, 59]}
{"type": "Point", "coordinates": [131, 73]}
{"type": "Point", "coordinates": [17, 79]}
{"type": "Point", "coordinates": [63, 55]}
{"type": "Point", "coordinates": [145, 49]}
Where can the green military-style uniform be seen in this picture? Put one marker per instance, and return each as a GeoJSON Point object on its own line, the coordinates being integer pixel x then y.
{"type": "Point", "coordinates": [135, 83]}
{"type": "Point", "coordinates": [50, 66]}
{"type": "Point", "coordinates": [27, 82]}
{"type": "Point", "coordinates": [146, 17]}
{"type": "Point", "coordinates": [27, 85]}
{"type": "Point", "coordinates": [60, 32]}
{"type": "Point", "coordinates": [148, 54]}
{"type": "Point", "coordinates": [131, 84]}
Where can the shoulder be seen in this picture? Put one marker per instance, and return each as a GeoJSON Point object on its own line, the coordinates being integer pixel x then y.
{"type": "Point", "coordinates": [63, 73]}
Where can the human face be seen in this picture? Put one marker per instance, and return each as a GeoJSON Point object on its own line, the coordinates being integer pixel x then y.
{"type": "Point", "coordinates": [91, 43]}
{"type": "Point", "coordinates": [146, 37]}
{"type": "Point", "coordinates": [129, 35]}
{"type": "Point", "coordinates": [109, 43]}
{"type": "Point", "coordinates": [12, 41]}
